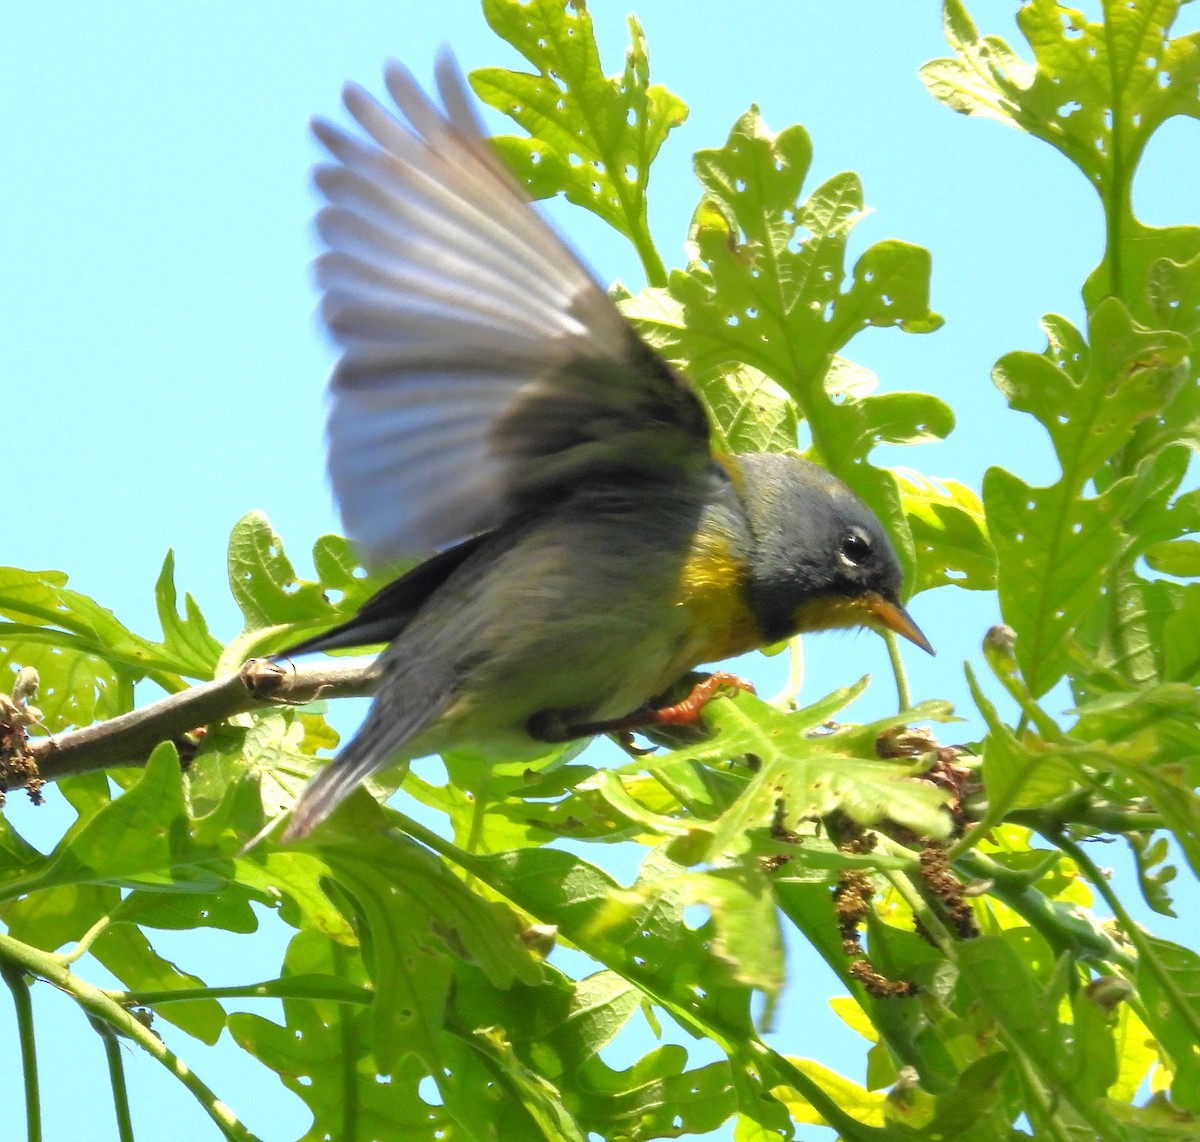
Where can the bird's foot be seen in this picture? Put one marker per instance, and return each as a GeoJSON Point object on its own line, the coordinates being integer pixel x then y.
{"type": "Point", "coordinates": [687, 712]}
{"type": "Point", "coordinates": [551, 726]}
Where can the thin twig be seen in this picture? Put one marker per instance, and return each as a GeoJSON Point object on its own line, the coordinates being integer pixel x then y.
{"type": "Point", "coordinates": [14, 976]}
{"type": "Point", "coordinates": [129, 739]}
{"type": "Point", "coordinates": [16, 956]}
{"type": "Point", "coordinates": [116, 1074]}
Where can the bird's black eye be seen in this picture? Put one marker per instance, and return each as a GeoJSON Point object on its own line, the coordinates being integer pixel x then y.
{"type": "Point", "coordinates": [855, 548]}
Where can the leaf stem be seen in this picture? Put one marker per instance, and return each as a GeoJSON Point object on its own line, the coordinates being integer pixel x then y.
{"type": "Point", "coordinates": [652, 264]}
{"type": "Point", "coordinates": [903, 696]}
{"type": "Point", "coordinates": [786, 698]}
{"type": "Point", "coordinates": [85, 941]}
{"type": "Point", "coordinates": [1062, 930]}
{"type": "Point", "coordinates": [14, 977]}
{"type": "Point", "coordinates": [116, 1074]}
{"type": "Point", "coordinates": [348, 1052]}
{"type": "Point", "coordinates": [785, 1072]}
{"type": "Point", "coordinates": [343, 993]}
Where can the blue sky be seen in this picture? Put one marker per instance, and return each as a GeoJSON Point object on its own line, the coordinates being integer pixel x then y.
{"type": "Point", "coordinates": [163, 371]}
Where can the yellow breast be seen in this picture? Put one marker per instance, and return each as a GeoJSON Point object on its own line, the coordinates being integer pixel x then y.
{"type": "Point", "coordinates": [713, 589]}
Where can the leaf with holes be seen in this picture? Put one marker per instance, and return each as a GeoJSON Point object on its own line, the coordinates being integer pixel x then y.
{"type": "Point", "coordinates": [1081, 70]}
{"type": "Point", "coordinates": [658, 1097]}
{"type": "Point", "coordinates": [1054, 547]}
{"type": "Point", "coordinates": [414, 910]}
{"type": "Point", "coordinates": [642, 936]}
{"type": "Point", "coordinates": [322, 1054]}
{"type": "Point", "coordinates": [1089, 395]}
{"type": "Point", "coordinates": [263, 580]}
{"type": "Point", "coordinates": [592, 138]}
{"type": "Point", "coordinates": [744, 926]}
{"type": "Point", "coordinates": [766, 290]}
{"type": "Point", "coordinates": [1097, 91]}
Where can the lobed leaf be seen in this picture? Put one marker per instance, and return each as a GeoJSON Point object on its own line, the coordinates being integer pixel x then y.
{"type": "Point", "coordinates": [949, 532]}
{"type": "Point", "coordinates": [1081, 70]}
{"type": "Point", "coordinates": [591, 138]}
{"type": "Point", "coordinates": [765, 290]}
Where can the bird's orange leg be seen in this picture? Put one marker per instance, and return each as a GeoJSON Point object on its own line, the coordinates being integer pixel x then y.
{"type": "Point", "coordinates": [550, 726]}
{"type": "Point", "coordinates": [686, 712]}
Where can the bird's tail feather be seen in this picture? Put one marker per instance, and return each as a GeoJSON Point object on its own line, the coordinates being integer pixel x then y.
{"type": "Point", "coordinates": [374, 746]}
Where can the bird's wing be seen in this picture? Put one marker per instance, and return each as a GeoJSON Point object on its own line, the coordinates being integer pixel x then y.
{"type": "Point", "coordinates": [387, 612]}
{"type": "Point", "coordinates": [482, 367]}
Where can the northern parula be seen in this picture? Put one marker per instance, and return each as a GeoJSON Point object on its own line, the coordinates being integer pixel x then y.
{"type": "Point", "coordinates": [491, 404]}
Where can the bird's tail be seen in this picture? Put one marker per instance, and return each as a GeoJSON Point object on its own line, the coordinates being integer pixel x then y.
{"type": "Point", "coordinates": [376, 745]}
{"type": "Point", "coordinates": [328, 790]}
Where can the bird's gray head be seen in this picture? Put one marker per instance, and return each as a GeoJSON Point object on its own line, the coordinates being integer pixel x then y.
{"type": "Point", "coordinates": [821, 557]}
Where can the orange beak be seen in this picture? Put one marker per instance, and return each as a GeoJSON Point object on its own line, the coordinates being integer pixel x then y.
{"type": "Point", "coordinates": [896, 618]}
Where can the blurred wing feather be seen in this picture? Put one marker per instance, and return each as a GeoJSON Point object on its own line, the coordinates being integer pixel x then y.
{"type": "Point", "coordinates": [481, 366]}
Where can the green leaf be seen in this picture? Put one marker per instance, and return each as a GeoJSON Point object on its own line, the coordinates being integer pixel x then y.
{"type": "Point", "coordinates": [1152, 738]}
{"type": "Point", "coordinates": [127, 953]}
{"type": "Point", "coordinates": [765, 290]}
{"type": "Point", "coordinates": [1089, 396]}
{"type": "Point", "coordinates": [86, 659]}
{"type": "Point", "coordinates": [949, 532]}
{"type": "Point", "coordinates": [55, 916]}
{"type": "Point", "coordinates": [17, 856]}
{"type": "Point", "coordinates": [867, 1106]}
{"type": "Point", "coordinates": [1153, 875]}
{"type": "Point", "coordinates": [1024, 774]}
{"type": "Point", "coordinates": [801, 776]}
{"type": "Point", "coordinates": [1097, 92]}
{"type": "Point", "coordinates": [558, 1025]}
{"type": "Point", "coordinates": [186, 639]}
{"type": "Point", "coordinates": [410, 973]}
{"type": "Point", "coordinates": [1181, 654]}
{"type": "Point", "coordinates": [1168, 981]}
{"type": "Point", "coordinates": [413, 909]}
{"type": "Point", "coordinates": [323, 1055]}
{"type": "Point", "coordinates": [558, 1030]}
{"type": "Point", "coordinates": [592, 138]}
{"type": "Point", "coordinates": [743, 930]}
{"type": "Point", "coordinates": [228, 909]}
{"type": "Point", "coordinates": [142, 839]}
{"type": "Point", "coordinates": [752, 413]}
{"type": "Point", "coordinates": [645, 940]}
{"type": "Point", "coordinates": [1180, 558]}
{"type": "Point", "coordinates": [1081, 70]}
{"type": "Point", "coordinates": [1027, 1011]}
{"type": "Point", "coordinates": [263, 580]}
{"type": "Point", "coordinates": [541, 1100]}
{"type": "Point", "coordinates": [745, 925]}
{"type": "Point", "coordinates": [1054, 547]}
{"type": "Point", "coordinates": [277, 605]}
{"type": "Point", "coordinates": [656, 1097]}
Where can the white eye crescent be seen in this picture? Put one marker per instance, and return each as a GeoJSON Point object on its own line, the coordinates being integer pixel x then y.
{"type": "Point", "coordinates": [855, 548]}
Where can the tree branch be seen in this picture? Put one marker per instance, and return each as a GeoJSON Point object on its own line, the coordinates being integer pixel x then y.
{"type": "Point", "coordinates": [129, 739]}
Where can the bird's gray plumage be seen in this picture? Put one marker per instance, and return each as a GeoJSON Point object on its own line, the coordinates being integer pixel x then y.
{"type": "Point", "coordinates": [491, 406]}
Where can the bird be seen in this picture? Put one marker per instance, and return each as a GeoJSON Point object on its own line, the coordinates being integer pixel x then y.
{"type": "Point", "coordinates": [583, 545]}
